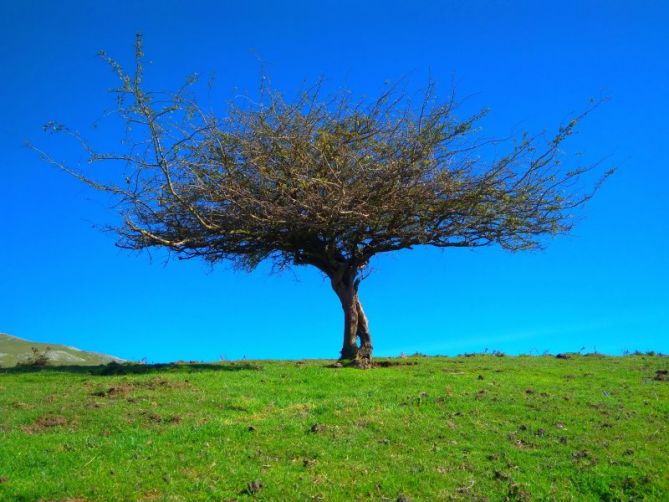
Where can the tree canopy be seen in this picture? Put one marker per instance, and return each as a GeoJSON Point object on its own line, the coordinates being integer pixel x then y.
{"type": "Point", "coordinates": [328, 182]}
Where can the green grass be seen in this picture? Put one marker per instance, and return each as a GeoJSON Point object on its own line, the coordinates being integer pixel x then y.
{"type": "Point", "coordinates": [15, 350]}
{"type": "Point", "coordinates": [482, 427]}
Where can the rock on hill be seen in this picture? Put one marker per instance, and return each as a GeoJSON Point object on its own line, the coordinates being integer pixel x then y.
{"type": "Point", "coordinates": [15, 351]}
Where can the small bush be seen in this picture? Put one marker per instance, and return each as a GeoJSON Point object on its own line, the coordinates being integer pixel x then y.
{"type": "Point", "coordinates": [37, 358]}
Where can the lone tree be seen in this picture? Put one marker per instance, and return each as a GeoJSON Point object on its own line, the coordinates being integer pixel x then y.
{"type": "Point", "coordinates": [327, 183]}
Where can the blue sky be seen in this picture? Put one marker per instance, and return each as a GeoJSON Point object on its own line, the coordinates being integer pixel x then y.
{"type": "Point", "coordinates": [533, 63]}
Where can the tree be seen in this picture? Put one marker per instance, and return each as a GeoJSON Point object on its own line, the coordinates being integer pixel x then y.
{"type": "Point", "coordinates": [327, 183]}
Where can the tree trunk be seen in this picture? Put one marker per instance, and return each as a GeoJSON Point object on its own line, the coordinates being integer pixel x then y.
{"type": "Point", "coordinates": [350, 346]}
{"type": "Point", "coordinates": [357, 343]}
{"type": "Point", "coordinates": [363, 328]}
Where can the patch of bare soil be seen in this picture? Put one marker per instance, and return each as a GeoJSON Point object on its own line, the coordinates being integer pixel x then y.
{"type": "Point", "coordinates": [125, 388]}
{"type": "Point", "coordinates": [163, 383]}
{"type": "Point", "coordinates": [389, 364]}
{"type": "Point", "coordinates": [661, 376]}
{"type": "Point", "coordinates": [115, 390]}
{"type": "Point", "coordinates": [253, 487]}
{"type": "Point", "coordinates": [154, 418]}
{"type": "Point", "coordinates": [45, 422]}
{"type": "Point", "coordinates": [518, 492]}
{"type": "Point", "coordinates": [316, 428]}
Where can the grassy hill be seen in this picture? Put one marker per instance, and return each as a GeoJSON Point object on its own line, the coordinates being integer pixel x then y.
{"type": "Point", "coordinates": [15, 350]}
{"type": "Point", "coordinates": [464, 428]}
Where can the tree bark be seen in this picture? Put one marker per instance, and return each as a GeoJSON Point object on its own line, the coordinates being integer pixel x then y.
{"type": "Point", "coordinates": [357, 343]}
{"type": "Point", "coordinates": [349, 348]}
{"type": "Point", "coordinates": [363, 327]}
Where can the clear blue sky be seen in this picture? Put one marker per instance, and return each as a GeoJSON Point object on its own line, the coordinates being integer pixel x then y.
{"type": "Point", "coordinates": [533, 63]}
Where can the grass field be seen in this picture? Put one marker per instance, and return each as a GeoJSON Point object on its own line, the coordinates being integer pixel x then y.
{"type": "Point", "coordinates": [470, 428]}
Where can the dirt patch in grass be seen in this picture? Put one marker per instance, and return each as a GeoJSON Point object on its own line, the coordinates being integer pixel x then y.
{"type": "Point", "coordinates": [154, 418]}
{"type": "Point", "coordinates": [661, 376]}
{"type": "Point", "coordinates": [125, 388]}
{"type": "Point", "coordinates": [317, 428]}
{"type": "Point", "coordinates": [115, 390]}
{"type": "Point", "coordinates": [389, 364]}
{"type": "Point", "coordinates": [253, 487]}
{"type": "Point", "coordinates": [44, 423]}
{"type": "Point", "coordinates": [518, 492]}
{"type": "Point", "coordinates": [164, 383]}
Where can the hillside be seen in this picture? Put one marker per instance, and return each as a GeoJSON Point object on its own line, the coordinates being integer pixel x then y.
{"type": "Point", "coordinates": [464, 428]}
{"type": "Point", "coordinates": [15, 350]}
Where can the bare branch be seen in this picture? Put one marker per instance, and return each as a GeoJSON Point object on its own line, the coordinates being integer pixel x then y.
{"type": "Point", "coordinates": [326, 182]}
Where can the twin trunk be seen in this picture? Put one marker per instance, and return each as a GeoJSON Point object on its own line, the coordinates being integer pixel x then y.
{"type": "Point", "coordinates": [357, 344]}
